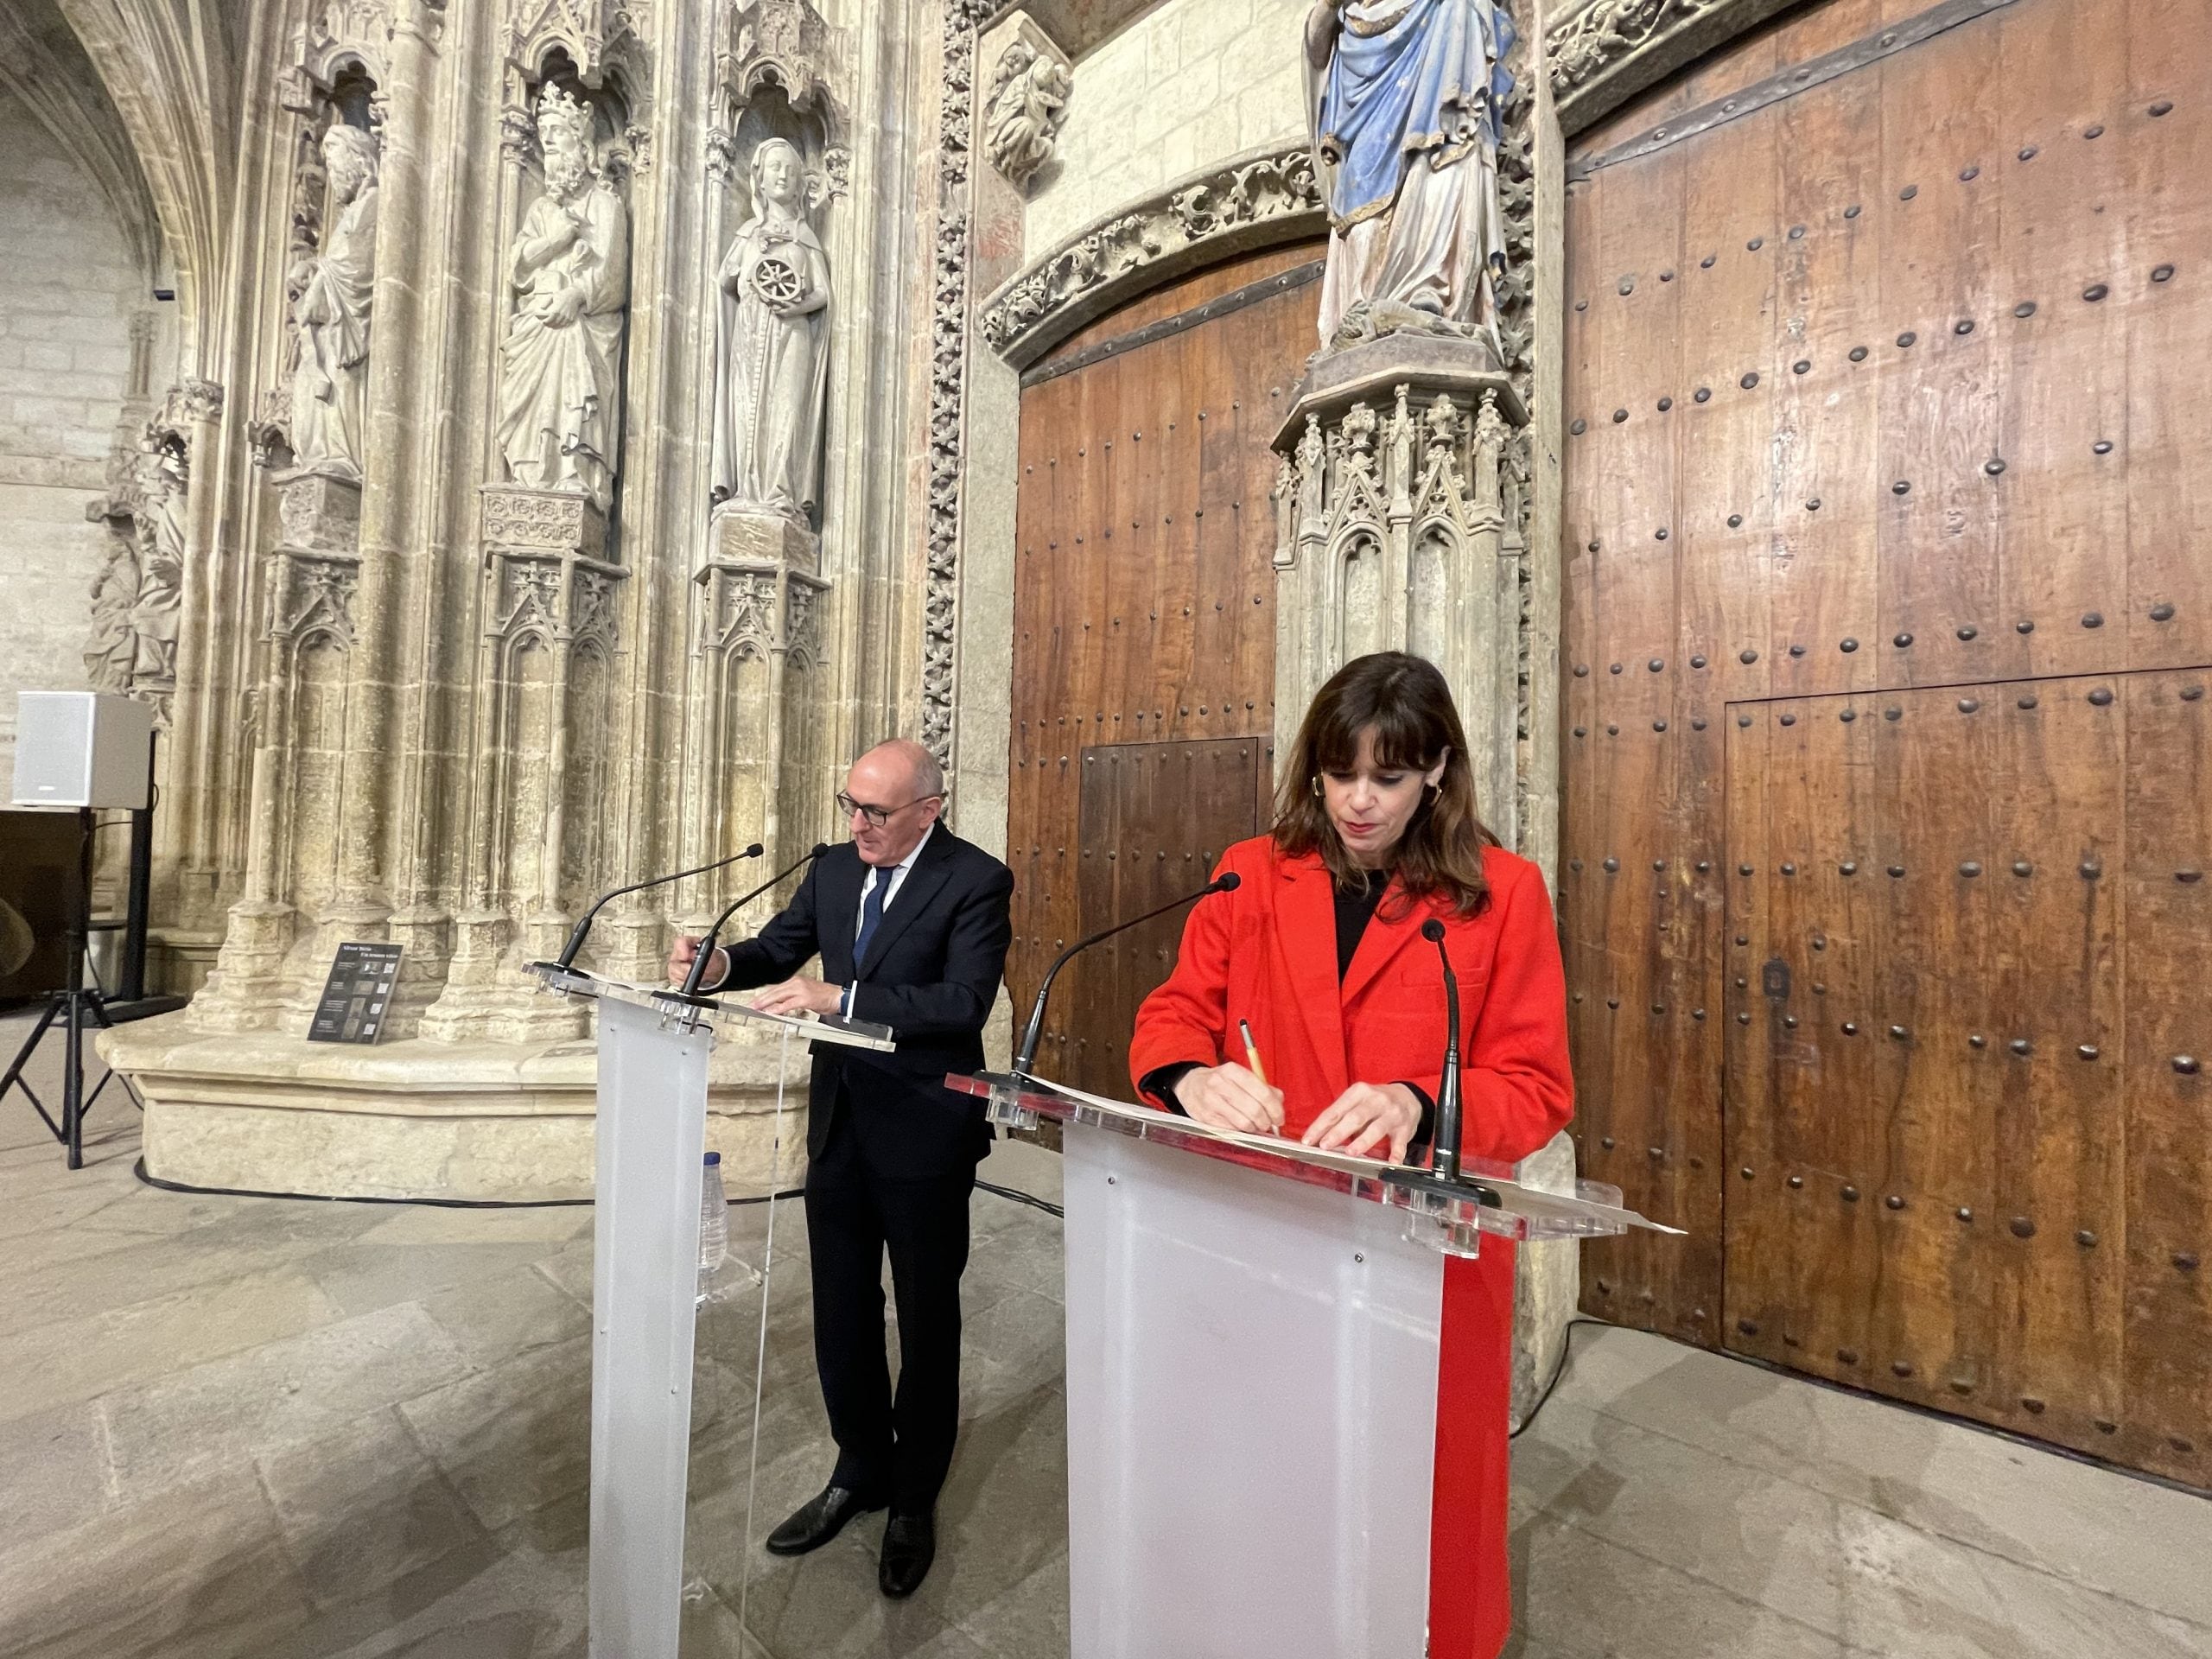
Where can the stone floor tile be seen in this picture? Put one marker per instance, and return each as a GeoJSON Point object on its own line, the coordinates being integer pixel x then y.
{"type": "Point", "coordinates": [69, 1360]}
{"type": "Point", "coordinates": [1022, 1335]}
{"type": "Point", "coordinates": [362, 1507]}
{"type": "Point", "coordinates": [1030, 1616]}
{"type": "Point", "coordinates": [229, 1411]}
{"type": "Point", "coordinates": [514, 1437]}
{"type": "Point", "coordinates": [1578, 1596]}
{"type": "Point", "coordinates": [1854, 1574]}
{"type": "Point", "coordinates": [53, 1469]}
{"type": "Point", "coordinates": [2057, 1514]}
{"type": "Point", "coordinates": [506, 1312]}
{"type": "Point", "coordinates": [361, 1280]}
{"type": "Point", "coordinates": [199, 1572]}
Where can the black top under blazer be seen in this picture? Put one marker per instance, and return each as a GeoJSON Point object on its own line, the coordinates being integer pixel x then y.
{"type": "Point", "coordinates": [931, 975]}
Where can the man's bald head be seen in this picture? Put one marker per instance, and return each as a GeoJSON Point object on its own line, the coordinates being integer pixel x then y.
{"type": "Point", "coordinates": [903, 780]}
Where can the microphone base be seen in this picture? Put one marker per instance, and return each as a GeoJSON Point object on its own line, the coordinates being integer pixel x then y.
{"type": "Point", "coordinates": [1002, 1107]}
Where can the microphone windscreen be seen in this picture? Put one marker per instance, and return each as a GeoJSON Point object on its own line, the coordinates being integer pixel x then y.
{"type": "Point", "coordinates": [820, 848]}
{"type": "Point", "coordinates": [1432, 930]}
{"type": "Point", "coordinates": [753, 851]}
{"type": "Point", "coordinates": [1228, 882]}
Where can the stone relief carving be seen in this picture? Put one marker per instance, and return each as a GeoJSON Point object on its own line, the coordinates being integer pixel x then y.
{"type": "Point", "coordinates": [948, 370]}
{"type": "Point", "coordinates": [1405, 102]}
{"type": "Point", "coordinates": [1215, 205]}
{"type": "Point", "coordinates": [1029, 97]}
{"type": "Point", "coordinates": [330, 305]}
{"type": "Point", "coordinates": [771, 346]}
{"type": "Point", "coordinates": [1587, 41]}
{"type": "Point", "coordinates": [154, 612]}
{"type": "Point", "coordinates": [560, 390]}
{"type": "Point", "coordinates": [112, 649]}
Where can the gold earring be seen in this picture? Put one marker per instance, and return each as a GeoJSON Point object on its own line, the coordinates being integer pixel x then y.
{"type": "Point", "coordinates": [1316, 786]}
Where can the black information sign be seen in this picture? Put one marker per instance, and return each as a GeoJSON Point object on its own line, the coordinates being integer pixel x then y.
{"type": "Point", "coordinates": [354, 1000]}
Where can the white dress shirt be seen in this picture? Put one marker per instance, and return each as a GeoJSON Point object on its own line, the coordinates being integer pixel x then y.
{"type": "Point", "coordinates": [897, 876]}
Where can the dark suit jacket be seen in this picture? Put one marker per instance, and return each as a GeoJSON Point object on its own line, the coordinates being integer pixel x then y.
{"type": "Point", "coordinates": [931, 973]}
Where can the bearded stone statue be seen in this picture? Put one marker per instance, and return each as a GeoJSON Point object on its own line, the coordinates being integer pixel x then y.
{"type": "Point", "coordinates": [330, 308]}
{"type": "Point", "coordinates": [560, 387]}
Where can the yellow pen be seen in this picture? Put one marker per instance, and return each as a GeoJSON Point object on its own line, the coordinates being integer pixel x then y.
{"type": "Point", "coordinates": [1251, 1052]}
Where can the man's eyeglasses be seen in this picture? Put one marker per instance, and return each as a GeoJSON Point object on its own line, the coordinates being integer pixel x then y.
{"type": "Point", "coordinates": [878, 816]}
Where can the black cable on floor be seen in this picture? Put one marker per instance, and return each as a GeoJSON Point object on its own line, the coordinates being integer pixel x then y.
{"type": "Point", "coordinates": [138, 1169]}
{"type": "Point", "coordinates": [1029, 1198]}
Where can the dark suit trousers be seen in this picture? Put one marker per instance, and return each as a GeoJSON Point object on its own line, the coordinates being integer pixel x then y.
{"type": "Point", "coordinates": [895, 1446]}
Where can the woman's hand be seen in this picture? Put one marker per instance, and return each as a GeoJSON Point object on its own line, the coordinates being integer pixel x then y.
{"type": "Point", "coordinates": [1230, 1097]}
{"type": "Point", "coordinates": [1363, 1117]}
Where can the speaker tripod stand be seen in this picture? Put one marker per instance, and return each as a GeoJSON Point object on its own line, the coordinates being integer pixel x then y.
{"type": "Point", "coordinates": [76, 1007]}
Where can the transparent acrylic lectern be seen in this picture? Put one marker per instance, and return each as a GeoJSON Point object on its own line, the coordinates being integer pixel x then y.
{"type": "Point", "coordinates": [651, 1138]}
{"type": "Point", "coordinates": [1252, 1377]}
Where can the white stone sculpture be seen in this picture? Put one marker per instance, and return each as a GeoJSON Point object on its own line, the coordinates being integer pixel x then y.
{"type": "Point", "coordinates": [560, 392]}
{"type": "Point", "coordinates": [160, 598]}
{"type": "Point", "coordinates": [330, 380]}
{"type": "Point", "coordinates": [1029, 97]}
{"type": "Point", "coordinates": [772, 348]}
{"type": "Point", "coordinates": [113, 651]}
{"type": "Point", "coordinates": [1404, 100]}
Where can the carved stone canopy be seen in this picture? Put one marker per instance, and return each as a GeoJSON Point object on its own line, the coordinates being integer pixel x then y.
{"type": "Point", "coordinates": [784, 43]}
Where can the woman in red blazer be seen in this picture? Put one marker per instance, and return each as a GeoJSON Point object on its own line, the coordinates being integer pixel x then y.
{"type": "Point", "coordinates": [1318, 950]}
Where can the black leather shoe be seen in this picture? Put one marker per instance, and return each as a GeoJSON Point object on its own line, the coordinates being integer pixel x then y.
{"type": "Point", "coordinates": [821, 1518]}
{"type": "Point", "coordinates": [909, 1546]}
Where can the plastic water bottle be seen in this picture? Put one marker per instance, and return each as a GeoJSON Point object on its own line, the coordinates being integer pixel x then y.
{"type": "Point", "coordinates": [713, 1224]}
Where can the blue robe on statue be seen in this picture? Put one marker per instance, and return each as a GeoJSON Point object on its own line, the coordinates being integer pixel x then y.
{"type": "Point", "coordinates": [1410, 77]}
{"type": "Point", "coordinates": [1412, 88]}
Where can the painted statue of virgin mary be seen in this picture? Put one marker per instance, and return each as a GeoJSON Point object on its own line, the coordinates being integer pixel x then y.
{"type": "Point", "coordinates": [1404, 97]}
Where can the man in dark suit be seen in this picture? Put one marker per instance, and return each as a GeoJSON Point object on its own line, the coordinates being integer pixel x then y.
{"type": "Point", "coordinates": [912, 926]}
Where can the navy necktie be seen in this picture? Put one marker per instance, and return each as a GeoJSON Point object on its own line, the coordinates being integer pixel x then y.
{"type": "Point", "coordinates": [871, 914]}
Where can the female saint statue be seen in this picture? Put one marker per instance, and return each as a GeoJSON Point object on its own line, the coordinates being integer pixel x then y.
{"type": "Point", "coordinates": [560, 395]}
{"type": "Point", "coordinates": [1404, 97]}
{"type": "Point", "coordinates": [772, 347]}
{"type": "Point", "coordinates": [330, 380]}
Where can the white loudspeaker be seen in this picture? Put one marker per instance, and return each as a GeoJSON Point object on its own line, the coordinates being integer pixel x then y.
{"type": "Point", "coordinates": [81, 748]}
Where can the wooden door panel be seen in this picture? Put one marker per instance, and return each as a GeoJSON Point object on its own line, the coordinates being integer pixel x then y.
{"type": "Point", "coordinates": [1943, 1125]}
{"type": "Point", "coordinates": [1882, 399]}
{"type": "Point", "coordinates": [1144, 607]}
{"type": "Point", "coordinates": [1154, 819]}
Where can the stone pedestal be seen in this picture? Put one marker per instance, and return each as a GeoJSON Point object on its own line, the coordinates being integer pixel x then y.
{"type": "Point", "coordinates": [1395, 531]}
{"type": "Point", "coordinates": [761, 767]}
{"type": "Point", "coordinates": [549, 605]}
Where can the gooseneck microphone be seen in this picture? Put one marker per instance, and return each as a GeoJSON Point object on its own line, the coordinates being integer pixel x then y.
{"type": "Point", "coordinates": [583, 926]}
{"type": "Point", "coordinates": [1447, 1159]}
{"type": "Point", "coordinates": [1035, 1031]}
{"type": "Point", "coordinates": [706, 945]}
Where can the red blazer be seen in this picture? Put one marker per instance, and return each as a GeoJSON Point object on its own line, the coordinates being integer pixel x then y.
{"type": "Point", "coordinates": [1266, 954]}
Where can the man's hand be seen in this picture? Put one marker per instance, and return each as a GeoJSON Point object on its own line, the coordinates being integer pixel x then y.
{"type": "Point", "coordinates": [1230, 1097]}
{"type": "Point", "coordinates": [799, 996]}
{"type": "Point", "coordinates": [680, 958]}
{"type": "Point", "coordinates": [1363, 1117]}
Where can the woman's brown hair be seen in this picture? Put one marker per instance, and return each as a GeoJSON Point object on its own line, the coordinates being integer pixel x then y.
{"type": "Point", "coordinates": [1405, 701]}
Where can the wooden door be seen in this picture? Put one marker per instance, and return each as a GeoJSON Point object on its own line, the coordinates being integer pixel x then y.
{"type": "Point", "coordinates": [1144, 629]}
{"type": "Point", "coordinates": [1888, 546]}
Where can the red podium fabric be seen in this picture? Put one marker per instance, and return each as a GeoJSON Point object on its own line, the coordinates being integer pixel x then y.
{"type": "Point", "coordinates": [1266, 954]}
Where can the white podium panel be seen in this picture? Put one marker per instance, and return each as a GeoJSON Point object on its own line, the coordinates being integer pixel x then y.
{"type": "Point", "coordinates": [652, 1133]}
{"type": "Point", "coordinates": [1252, 1381]}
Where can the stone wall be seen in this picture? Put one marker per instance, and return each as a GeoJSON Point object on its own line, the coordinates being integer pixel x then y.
{"type": "Point", "coordinates": [68, 290]}
{"type": "Point", "coordinates": [1191, 83]}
